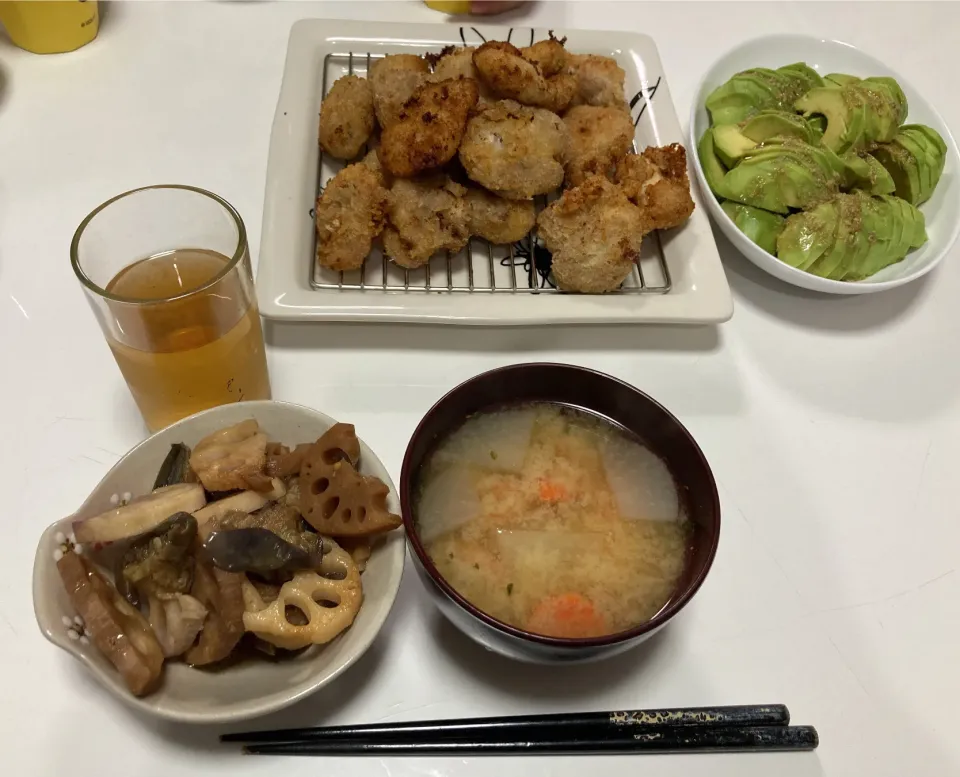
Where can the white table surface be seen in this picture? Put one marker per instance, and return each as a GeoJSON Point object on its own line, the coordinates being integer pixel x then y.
{"type": "Point", "coordinates": [831, 423]}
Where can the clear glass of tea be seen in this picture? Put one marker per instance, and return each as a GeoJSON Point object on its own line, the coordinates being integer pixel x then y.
{"type": "Point", "coordinates": [167, 272]}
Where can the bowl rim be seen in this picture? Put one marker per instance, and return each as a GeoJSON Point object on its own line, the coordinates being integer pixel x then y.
{"type": "Point", "coordinates": [648, 626]}
{"type": "Point", "coordinates": [239, 711]}
{"type": "Point", "coordinates": [801, 277]}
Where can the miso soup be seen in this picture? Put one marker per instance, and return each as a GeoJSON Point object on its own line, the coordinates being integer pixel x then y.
{"type": "Point", "coordinates": [553, 520]}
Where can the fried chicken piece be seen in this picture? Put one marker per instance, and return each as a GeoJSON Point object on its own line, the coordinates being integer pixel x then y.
{"type": "Point", "coordinates": [657, 183]}
{"type": "Point", "coordinates": [349, 215]}
{"type": "Point", "coordinates": [346, 117]}
{"type": "Point", "coordinates": [599, 138]}
{"type": "Point", "coordinates": [508, 75]}
{"type": "Point", "coordinates": [548, 55]}
{"type": "Point", "coordinates": [594, 234]}
{"type": "Point", "coordinates": [515, 151]}
{"type": "Point", "coordinates": [424, 216]}
{"type": "Point", "coordinates": [394, 79]}
{"type": "Point", "coordinates": [372, 162]}
{"type": "Point", "coordinates": [457, 62]}
{"type": "Point", "coordinates": [599, 80]}
{"type": "Point", "coordinates": [429, 129]}
{"type": "Point", "coordinates": [498, 220]}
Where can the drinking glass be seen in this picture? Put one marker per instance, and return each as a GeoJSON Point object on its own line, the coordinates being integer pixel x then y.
{"type": "Point", "coordinates": [167, 272]}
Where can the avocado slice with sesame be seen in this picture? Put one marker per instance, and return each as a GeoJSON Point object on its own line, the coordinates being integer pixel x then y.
{"type": "Point", "coordinates": [713, 167]}
{"type": "Point", "coordinates": [761, 226]}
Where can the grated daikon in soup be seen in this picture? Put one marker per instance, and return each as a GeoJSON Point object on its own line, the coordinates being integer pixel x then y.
{"type": "Point", "coordinates": [553, 520]}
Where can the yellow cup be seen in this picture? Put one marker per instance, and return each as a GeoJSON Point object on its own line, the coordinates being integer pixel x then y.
{"type": "Point", "coordinates": [50, 26]}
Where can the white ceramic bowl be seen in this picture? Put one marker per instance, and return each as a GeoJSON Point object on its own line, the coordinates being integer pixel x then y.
{"type": "Point", "coordinates": [942, 211]}
{"type": "Point", "coordinates": [251, 688]}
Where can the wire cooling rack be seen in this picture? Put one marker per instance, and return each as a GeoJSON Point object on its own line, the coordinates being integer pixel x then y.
{"type": "Point", "coordinates": [480, 268]}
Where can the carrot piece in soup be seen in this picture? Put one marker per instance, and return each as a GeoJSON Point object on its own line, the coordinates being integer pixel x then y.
{"type": "Point", "coordinates": [567, 615]}
{"type": "Point", "coordinates": [552, 492]}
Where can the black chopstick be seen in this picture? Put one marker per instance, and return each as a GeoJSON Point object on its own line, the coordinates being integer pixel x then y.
{"type": "Point", "coordinates": [666, 739]}
{"type": "Point", "coordinates": [583, 724]}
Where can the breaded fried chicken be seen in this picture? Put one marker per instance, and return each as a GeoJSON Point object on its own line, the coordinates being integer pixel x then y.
{"type": "Point", "coordinates": [599, 80]}
{"type": "Point", "coordinates": [346, 117]}
{"type": "Point", "coordinates": [548, 55]}
{"type": "Point", "coordinates": [429, 127]}
{"type": "Point", "coordinates": [513, 150]}
{"type": "Point", "coordinates": [349, 215]}
{"type": "Point", "coordinates": [508, 75]}
{"type": "Point", "coordinates": [372, 161]}
{"type": "Point", "coordinates": [498, 220]}
{"type": "Point", "coordinates": [594, 233]}
{"type": "Point", "coordinates": [394, 79]}
{"type": "Point", "coordinates": [457, 62]}
{"type": "Point", "coordinates": [599, 138]}
{"type": "Point", "coordinates": [424, 216]}
{"type": "Point", "coordinates": [657, 183]}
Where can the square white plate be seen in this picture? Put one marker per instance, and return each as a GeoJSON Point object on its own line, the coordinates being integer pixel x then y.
{"type": "Point", "coordinates": [321, 51]}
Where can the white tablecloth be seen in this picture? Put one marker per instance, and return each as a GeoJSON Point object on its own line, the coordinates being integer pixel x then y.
{"type": "Point", "coordinates": [831, 423]}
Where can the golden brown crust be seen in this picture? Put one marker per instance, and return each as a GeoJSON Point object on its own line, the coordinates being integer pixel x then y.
{"type": "Point", "coordinates": [424, 216]}
{"type": "Point", "coordinates": [599, 138]}
{"type": "Point", "coordinates": [349, 216]}
{"type": "Point", "coordinates": [504, 70]}
{"type": "Point", "coordinates": [548, 55]}
{"type": "Point", "coordinates": [594, 233]}
{"type": "Point", "coordinates": [429, 128]}
{"type": "Point", "coordinates": [657, 183]}
{"type": "Point", "coordinates": [498, 220]}
{"type": "Point", "coordinates": [599, 80]}
{"type": "Point", "coordinates": [394, 79]}
{"type": "Point", "coordinates": [514, 151]}
{"type": "Point", "coordinates": [457, 62]}
{"type": "Point", "coordinates": [347, 117]}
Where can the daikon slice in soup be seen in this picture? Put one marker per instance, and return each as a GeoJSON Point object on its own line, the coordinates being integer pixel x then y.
{"type": "Point", "coordinates": [553, 520]}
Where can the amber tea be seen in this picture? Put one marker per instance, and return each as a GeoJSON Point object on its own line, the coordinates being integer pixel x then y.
{"type": "Point", "coordinates": [188, 354]}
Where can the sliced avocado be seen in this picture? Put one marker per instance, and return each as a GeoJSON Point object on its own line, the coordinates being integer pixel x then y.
{"type": "Point", "coordinates": [784, 174]}
{"type": "Point", "coordinates": [808, 77]}
{"type": "Point", "coordinates": [915, 160]}
{"type": "Point", "coordinates": [880, 231]}
{"type": "Point", "coordinates": [777, 124]}
{"type": "Point", "coordinates": [885, 107]}
{"type": "Point", "coordinates": [738, 98]}
{"type": "Point", "coordinates": [844, 114]}
{"type": "Point", "coordinates": [840, 79]}
{"type": "Point", "coordinates": [857, 169]}
{"type": "Point", "coordinates": [918, 149]}
{"type": "Point", "coordinates": [880, 181]}
{"type": "Point", "coordinates": [713, 168]}
{"type": "Point", "coordinates": [730, 144]}
{"type": "Point", "coordinates": [756, 89]}
{"type": "Point", "coordinates": [903, 169]}
{"type": "Point", "coordinates": [846, 245]}
{"type": "Point", "coordinates": [761, 226]}
{"type": "Point", "coordinates": [858, 113]}
{"type": "Point", "coordinates": [860, 213]}
{"type": "Point", "coordinates": [818, 124]}
{"type": "Point", "coordinates": [934, 156]}
{"type": "Point", "coordinates": [894, 92]}
{"type": "Point", "coordinates": [866, 173]}
{"type": "Point", "coordinates": [807, 236]}
{"type": "Point", "coordinates": [930, 133]}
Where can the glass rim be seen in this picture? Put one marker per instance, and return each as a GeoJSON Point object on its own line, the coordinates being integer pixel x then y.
{"type": "Point", "coordinates": [102, 292]}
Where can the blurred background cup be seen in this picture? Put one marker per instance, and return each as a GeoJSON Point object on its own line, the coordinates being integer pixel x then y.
{"type": "Point", "coordinates": [50, 26]}
{"type": "Point", "coordinates": [167, 272]}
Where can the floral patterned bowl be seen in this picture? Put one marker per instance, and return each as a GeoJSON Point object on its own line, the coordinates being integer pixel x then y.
{"type": "Point", "coordinates": [249, 688]}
